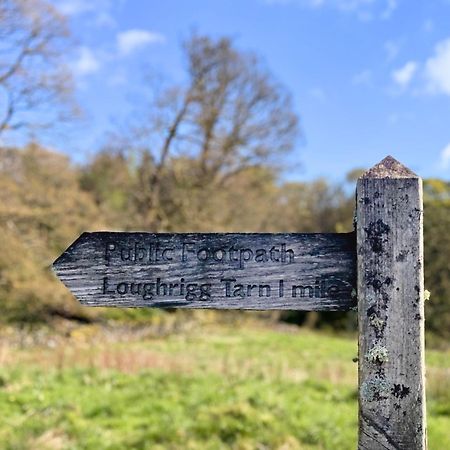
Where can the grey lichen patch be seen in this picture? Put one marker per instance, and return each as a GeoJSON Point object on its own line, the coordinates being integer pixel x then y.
{"type": "Point", "coordinates": [377, 323]}
{"type": "Point", "coordinates": [374, 389]}
{"type": "Point", "coordinates": [377, 354]}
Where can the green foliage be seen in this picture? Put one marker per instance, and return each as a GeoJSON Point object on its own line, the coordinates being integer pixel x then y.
{"type": "Point", "coordinates": [209, 389]}
{"type": "Point", "coordinates": [437, 249]}
{"type": "Point", "coordinates": [46, 203]}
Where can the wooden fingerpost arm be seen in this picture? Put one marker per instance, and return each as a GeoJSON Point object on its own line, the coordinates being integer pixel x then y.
{"type": "Point", "coordinates": [390, 308]}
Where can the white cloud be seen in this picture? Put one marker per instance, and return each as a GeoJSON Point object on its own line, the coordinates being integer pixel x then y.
{"type": "Point", "coordinates": [437, 69]}
{"type": "Point", "coordinates": [445, 157]}
{"type": "Point", "coordinates": [87, 63]}
{"type": "Point", "coordinates": [135, 39]}
{"type": "Point", "coordinates": [405, 74]}
{"type": "Point", "coordinates": [434, 71]}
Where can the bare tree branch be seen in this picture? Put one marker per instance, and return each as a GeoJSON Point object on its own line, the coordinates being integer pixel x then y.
{"type": "Point", "coordinates": [32, 41]}
{"type": "Point", "coordinates": [230, 115]}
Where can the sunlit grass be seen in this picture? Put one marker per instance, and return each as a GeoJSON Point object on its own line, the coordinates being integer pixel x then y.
{"type": "Point", "coordinates": [207, 388]}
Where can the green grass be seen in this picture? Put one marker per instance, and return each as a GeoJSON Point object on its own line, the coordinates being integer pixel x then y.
{"type": "Point", "coordinates": [211, 388]}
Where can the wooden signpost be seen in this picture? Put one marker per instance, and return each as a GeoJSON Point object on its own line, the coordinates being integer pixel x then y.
{"type": "Point", "coordinates": [238, 271]}
{"type": "Point", "coordinates": [377, 269]}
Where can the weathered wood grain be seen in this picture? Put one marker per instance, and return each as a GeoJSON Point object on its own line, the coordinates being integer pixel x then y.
{"type": "Point", "coordinates": [390, 309]}
{"type": "Point", "coordinates": [232, 271]}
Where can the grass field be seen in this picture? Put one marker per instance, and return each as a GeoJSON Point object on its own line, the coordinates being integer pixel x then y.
{"type": "Point", "coordinates": [210, 387]}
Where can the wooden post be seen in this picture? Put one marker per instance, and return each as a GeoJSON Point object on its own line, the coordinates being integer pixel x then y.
{"type": "Point", "coordinates": [390, 308]}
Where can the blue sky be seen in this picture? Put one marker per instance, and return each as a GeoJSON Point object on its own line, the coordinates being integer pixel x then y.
{"type": "Point", "coordinates": [368, 77]}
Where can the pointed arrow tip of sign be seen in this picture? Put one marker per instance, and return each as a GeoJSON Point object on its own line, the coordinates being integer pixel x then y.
{"type": "Point", "coordinates": [63, 258]}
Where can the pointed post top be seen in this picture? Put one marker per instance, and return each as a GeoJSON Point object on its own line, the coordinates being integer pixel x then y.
{"type": "Point", "coordinates": [389, 167]}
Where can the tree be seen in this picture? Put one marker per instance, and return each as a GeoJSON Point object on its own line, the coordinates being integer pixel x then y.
{"type": "Point", "coordinates": [437, 249]}
{"type": "Point", "coordinates": [42, 210]}
{"type": "Point", "coordinates": [229, 116]}
{"type": "Point", "coordinates": [33, 38]}
{"type": "Point", "coordinates": [315, 206]}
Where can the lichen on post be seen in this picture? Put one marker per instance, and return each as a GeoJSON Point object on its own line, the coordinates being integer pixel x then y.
{"type": "Point", "coordinates": [389, 232]}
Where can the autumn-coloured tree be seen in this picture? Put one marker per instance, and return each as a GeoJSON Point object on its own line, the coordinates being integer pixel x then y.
{"type": "Point", "coordinates": [42, 210]}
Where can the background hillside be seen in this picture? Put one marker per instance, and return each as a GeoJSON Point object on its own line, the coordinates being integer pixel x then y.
{"type": "Point", "coordinates": [47, 202]}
